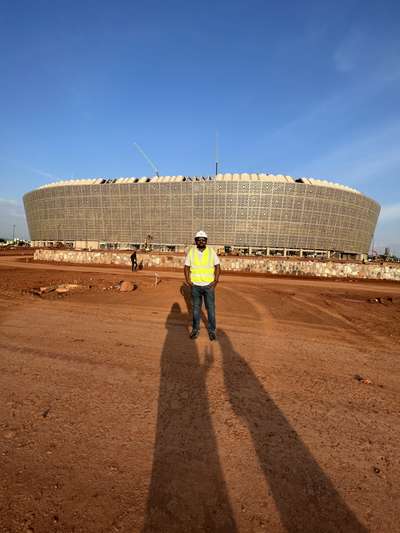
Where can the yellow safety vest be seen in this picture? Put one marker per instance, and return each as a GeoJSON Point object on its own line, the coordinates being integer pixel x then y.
{"type": "Point", "coordinates": [201, 265]}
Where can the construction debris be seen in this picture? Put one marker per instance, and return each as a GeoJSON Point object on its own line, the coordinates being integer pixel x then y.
{"type": "Point", "coordinates": [381, 300]}
{"type": "Point", "coordinates": [364, 381]}
{"type": "Point", "coordinates": [127, 286]}
{"type": "Point", "coordinates": [59, 289]}
{"type": "Point", "coordinates": [70, 286]}
{"type": "Point", "coordinates": [45, 290]}
{"type": "Point", "coordinates": [62, 290]}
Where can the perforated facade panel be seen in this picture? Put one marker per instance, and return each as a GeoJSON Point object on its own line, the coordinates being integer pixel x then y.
{"type": "Point", "coordinates": [233, 213]}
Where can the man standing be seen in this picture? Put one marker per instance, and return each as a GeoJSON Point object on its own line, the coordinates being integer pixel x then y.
{"type": "Point", "coordinates": [202, 271]}
{"type": "Point", "coordinates": [134, 260]}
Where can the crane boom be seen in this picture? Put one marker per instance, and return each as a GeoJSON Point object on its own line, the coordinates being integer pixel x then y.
{"type": "Point", "coordinates": [143, 153]}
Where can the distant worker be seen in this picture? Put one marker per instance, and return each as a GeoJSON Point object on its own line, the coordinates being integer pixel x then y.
{"type": "Point", "coordinates": [134, 261]}
{"type": "Point", "coordinates": [202, 270]}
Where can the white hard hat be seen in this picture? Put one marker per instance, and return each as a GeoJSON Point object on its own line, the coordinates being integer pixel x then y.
{"type": "Point", "coordinates": [201, 234]}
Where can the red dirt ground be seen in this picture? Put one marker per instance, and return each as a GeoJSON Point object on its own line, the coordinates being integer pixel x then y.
{"type": "Point", "coordinates": [112, 420]}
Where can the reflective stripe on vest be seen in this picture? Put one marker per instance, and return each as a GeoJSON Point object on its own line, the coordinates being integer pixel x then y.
{"type": "Point", "coordinates": [201, 265]}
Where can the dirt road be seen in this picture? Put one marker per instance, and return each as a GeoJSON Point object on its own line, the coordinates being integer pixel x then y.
{"type": "Point", "coordinates": [111, 419]}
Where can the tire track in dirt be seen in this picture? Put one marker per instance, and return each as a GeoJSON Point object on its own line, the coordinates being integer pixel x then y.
{"type": "Point", "coordinates": [349, 326]}
{"type": "Point", "coordinates": [262, 317]}
{"type": "Point", "coordinates": [62, 357]}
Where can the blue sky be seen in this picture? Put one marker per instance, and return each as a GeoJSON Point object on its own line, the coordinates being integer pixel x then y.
{"type": "Point", "coordinates": [301, 88]}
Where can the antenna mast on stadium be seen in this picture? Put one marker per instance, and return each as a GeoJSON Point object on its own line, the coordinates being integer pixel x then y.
{"type": "Point", "coordinates": [143, 153]}
{"type": "Point", "coordinates": [216, 153]}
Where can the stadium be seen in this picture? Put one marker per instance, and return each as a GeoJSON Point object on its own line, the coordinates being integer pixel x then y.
{"type": "Point", "coordinates": [252, 213]}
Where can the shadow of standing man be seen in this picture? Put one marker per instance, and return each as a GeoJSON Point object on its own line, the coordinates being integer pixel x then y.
{"type": "Point", "coordinates": [187, 489]}
{"type": "Point", "coordinates": [305, 497]}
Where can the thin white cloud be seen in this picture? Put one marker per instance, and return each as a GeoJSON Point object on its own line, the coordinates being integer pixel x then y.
{"type": "Point", "coordinates": [391, 212]}
{"type": "Point", "coordinates": [370, 154]}
{"type": "Point", "coordinates": [350, 51]}
{"type": "Point", "coordinates": [11, 207]}
{"type": "Point", "coordinates": [387, 233]}
{"type": "Point", "coordinates": [366, 54]}
{"type": "Point", "coordinates": [320, 112]}
{"type": "Point", "coordinates": [29, 168]}
{"type": "Point", "coordinates": [12, 214]}
{"type": "Point", "coordinates": [7, 202]}
{"type": "Point", "coordinates": [380, 69]}
{"type": "Point", "coordinates": [42, 173]}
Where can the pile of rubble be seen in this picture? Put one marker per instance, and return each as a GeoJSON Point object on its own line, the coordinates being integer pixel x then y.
{"type": "Point", "coordinates": [65, 288]}
{"type": "Point", "coordinates": [381, 300]}
{"type": "Point", "coordinates": [58, 289]}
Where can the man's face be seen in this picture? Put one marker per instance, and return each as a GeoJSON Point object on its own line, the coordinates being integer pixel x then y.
{"type": "Point", "coordinates": [201, 242]}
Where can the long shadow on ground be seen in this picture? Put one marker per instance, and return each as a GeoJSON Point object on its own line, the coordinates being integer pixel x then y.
{"type": "Point", "coordinates": [187, 488]}
{"type": "Point", "coordinates": [305, 497]}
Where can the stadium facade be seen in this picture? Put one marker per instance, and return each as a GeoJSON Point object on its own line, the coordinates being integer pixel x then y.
{"type": "Point", "coordinates": [259, 213]}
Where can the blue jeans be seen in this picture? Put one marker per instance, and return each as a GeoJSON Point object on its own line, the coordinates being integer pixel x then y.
{"type": "Point", "coordinates": [208, 294]}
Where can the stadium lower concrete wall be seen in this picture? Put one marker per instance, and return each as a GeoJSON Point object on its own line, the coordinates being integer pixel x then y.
{"type": "Point", "coordinates": [290, 267]}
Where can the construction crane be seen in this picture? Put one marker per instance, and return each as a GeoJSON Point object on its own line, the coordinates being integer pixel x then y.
{"type": "Point", "coordinates": [143, 153]}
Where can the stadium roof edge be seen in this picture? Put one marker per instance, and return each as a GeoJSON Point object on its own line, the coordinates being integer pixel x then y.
{"type": "Point", "coordinates": [274, 178]}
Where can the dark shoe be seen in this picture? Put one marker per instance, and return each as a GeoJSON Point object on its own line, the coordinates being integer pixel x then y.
{"type": "Point", "coordinates": [194, 333]}
{"type": "Point", "coordinates": [212, 336]}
